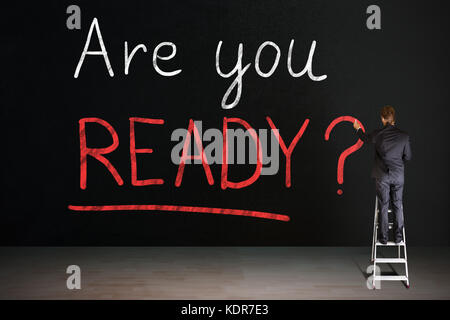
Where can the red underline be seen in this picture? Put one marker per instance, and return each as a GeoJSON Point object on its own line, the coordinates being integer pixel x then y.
{"type": "Point", "coordinates": [159, 207]}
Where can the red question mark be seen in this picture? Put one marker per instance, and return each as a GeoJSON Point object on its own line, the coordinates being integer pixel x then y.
{"type": "Point", "coordinates": [348, 151]}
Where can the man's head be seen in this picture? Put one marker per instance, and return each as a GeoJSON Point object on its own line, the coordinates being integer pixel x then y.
{"type": "Point", "coordinates": [387, 115]}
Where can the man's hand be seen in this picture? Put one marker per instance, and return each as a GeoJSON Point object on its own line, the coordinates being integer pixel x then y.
{"type": "Point", "coordinates": [356, 125]}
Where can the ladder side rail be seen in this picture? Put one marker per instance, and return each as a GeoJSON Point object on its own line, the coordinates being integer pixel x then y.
{"type": "Point", "coordinates": [406, 257]}
{"type": "Point", "coordinates": [375, 231]}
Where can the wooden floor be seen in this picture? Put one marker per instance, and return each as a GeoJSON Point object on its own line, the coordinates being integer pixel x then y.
{"type": "Point", "coordinates": [215, 273]}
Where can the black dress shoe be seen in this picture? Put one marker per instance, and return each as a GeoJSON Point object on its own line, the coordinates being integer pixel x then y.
{"type": "Point", "coordinates": [382, 241]}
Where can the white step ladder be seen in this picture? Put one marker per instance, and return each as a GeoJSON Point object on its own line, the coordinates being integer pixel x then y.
{"type": "Point", "coordinates": [398, 259]}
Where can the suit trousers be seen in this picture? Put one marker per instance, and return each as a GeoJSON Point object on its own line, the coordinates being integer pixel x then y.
{"type": "Point", "coordinates": [390, 190]}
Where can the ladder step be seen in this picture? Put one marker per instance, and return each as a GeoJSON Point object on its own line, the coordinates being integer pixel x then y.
{"type": "Point", "coordinates": [389, 210]}
{"type": "Point", "coordinates": [389, 244]}
{"type": "Point", "coordinates": [392, 278]}
{"type": "Point", "coordinates": [390, 260]}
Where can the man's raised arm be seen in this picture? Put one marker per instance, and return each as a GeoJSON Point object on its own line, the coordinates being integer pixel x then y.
{"type": "Point", "coordinates": [366, 138]}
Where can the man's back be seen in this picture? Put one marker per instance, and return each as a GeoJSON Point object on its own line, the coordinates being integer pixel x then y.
{"type": "Point", "coordinates": [392, 149]}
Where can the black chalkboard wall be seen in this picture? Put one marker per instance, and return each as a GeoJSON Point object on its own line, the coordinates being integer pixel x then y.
{"type": "Point", "coordinates": [404, 64]}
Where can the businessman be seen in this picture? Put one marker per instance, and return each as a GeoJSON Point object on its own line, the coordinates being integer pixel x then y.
{"type": "Point", "coordinates": [392, 150]}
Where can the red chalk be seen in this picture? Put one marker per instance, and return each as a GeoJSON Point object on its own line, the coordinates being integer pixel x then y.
{"type": "Point", "coordinates": [346, 152]}
{"type": "Point", "coordinates": [158, 207]}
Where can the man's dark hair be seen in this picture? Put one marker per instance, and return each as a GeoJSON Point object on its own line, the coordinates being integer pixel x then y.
{"type": "Point", "coordinates": [388, 113]}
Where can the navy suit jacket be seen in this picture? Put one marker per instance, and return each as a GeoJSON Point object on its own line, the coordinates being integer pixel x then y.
{"type": "Point", "coordinates": [392, 150]}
